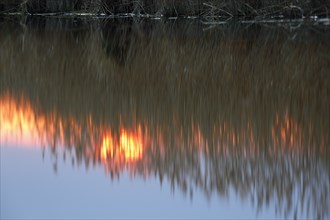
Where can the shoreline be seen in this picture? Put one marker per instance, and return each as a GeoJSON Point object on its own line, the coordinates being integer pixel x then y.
{"type": "Point", "coordinates": [214, 10]}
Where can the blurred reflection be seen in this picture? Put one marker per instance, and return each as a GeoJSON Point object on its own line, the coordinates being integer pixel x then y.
{"type": "Point", "coordinates": [230, 108]}
{"type": "Point", "coordinates": [129, 145]}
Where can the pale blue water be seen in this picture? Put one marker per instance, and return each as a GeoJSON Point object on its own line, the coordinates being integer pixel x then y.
{"type": "Point", "coordinates": [31, 189]}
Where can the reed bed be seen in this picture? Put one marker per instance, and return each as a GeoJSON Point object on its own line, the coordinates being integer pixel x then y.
{"type": "Point", "coordinates": [209, 10]}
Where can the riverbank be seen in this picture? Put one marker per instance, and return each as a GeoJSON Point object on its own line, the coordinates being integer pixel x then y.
{"type": "Point", "coordinates": [210, 10]}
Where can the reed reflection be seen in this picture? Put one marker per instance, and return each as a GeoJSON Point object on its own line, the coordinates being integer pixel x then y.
{"type": "Point", "coordinates": [188, 158]}
{"type": "Point", "coordinates": [250, 115]}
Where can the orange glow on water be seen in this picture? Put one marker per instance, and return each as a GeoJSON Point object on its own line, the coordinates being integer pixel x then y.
{"type": "Point", "coordinates": [129, 146]}
{"type": "Point", "coordinates": [21, 124]}
{"type": "Point", "coordinates": [107, 147]}
{"type": "Point", "coordinates": [18, 122]}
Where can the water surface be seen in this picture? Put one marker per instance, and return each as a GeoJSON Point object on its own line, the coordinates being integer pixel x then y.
{"type": "Point", "coordinates": [139, 119]}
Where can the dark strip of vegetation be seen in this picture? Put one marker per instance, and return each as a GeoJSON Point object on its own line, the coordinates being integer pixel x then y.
{"type": "Point", "coordinates": [211, 9]}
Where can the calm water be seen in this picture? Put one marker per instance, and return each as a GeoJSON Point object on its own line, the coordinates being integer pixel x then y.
{"type": "Point", "coordinates": [164, 119]}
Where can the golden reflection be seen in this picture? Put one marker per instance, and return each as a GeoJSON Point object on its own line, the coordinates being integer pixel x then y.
{"type": "Point", "coordinates": [18, 121]}
{"type": "Point", "coordinates": [107, 147]}
{"type": "Point", "coordinates": [130, 146]}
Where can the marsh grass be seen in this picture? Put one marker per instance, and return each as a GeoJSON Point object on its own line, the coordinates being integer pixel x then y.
{"type": "Point", "coordinates": [210, 10]}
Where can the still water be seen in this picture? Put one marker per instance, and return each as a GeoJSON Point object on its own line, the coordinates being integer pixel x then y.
{"type": "Point", "coordinates": [164, 119]}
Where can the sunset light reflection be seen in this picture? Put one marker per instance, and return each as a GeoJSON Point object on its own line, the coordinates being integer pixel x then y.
{"type": "Point", "coordinates": [129, 146]}
{"type": "Point", "coordinates": [24, 124]}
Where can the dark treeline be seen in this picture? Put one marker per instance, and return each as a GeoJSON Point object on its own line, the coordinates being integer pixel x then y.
{"type": "Point", "coordinates": [168, 8]}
